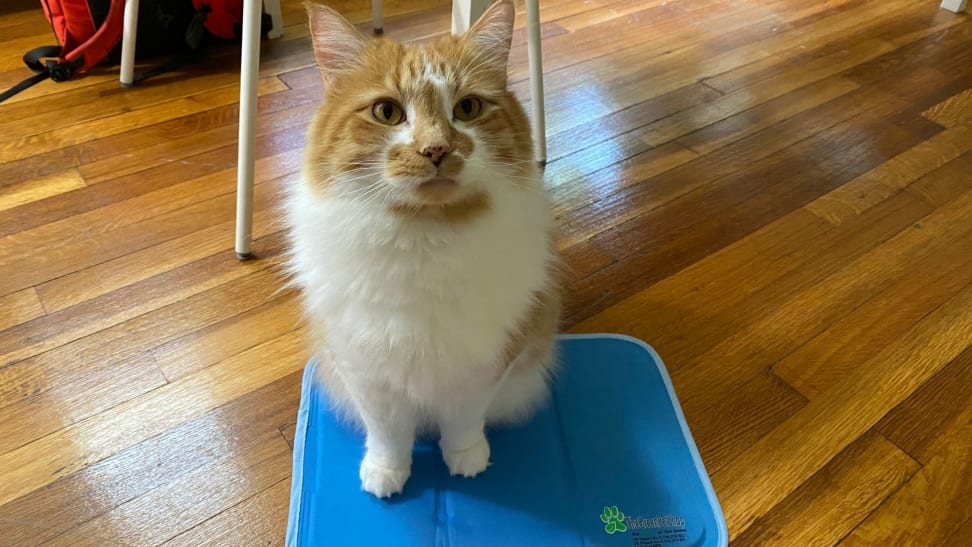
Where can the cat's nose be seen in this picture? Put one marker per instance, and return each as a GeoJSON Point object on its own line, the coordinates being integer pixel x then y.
{"type": "Point", "coordinates": [436, 153]}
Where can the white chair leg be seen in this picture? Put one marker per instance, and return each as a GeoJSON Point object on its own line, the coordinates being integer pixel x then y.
{"type": "Point", "coordinates": [249, 77]}
{"type": "Point", "coordinates": [466, 12]}
{"type": "Point", "coordinates": [534, 51]}
{"type": "Point", "coordinates": [273, 8]}
{"type": "Point", "coordinates": [377, 20]}
{"type": "Point", "coordinates": [954, 5]}
{"type": "Point", "coordinates": [129, 32]}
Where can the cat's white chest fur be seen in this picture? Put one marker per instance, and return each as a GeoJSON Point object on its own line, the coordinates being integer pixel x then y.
{"type": "Point", "coordinates": [423, 304]}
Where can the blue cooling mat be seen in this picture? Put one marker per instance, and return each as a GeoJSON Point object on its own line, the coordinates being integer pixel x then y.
{"type": "Point", "coordinates": [609, 461]}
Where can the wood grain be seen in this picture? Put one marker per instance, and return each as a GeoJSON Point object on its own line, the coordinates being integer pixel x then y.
{"type": "Point", "coordinates": [760, 478]}
{"type": "Point", "coordinates": [923, 417]}
{"type": "Point", "coordinates": [224, 434]}
{"type": "Point", "coordinates": [954, 111]}
{"type": "Point", "coordinates": [139, 419]}
{"type": "Point", "coordinates": [776, 334]}
{"type": "Point", "coordinates": [775, 194]}
{"type": "Point", "coordinates": [19, 307]}
{"type": "Point", "coordinates": [41, 188]}
{"type": "Point", "coordinates": [827, 507]}
{"type": "Point", "coordinates": [894, 174]}
{"type": "Point", "coordinates": [833, 354]}
{"type": "Point", "coordinates": [942, 483]}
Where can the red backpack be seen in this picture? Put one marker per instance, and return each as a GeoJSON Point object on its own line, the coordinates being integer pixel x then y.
{"type": "Point", "coordinates": [90, 31]}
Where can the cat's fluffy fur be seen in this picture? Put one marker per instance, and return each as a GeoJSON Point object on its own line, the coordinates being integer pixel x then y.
{"type": "Point", "coordinates": [429, 281]}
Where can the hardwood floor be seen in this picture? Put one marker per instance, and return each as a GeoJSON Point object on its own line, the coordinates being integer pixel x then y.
{"type": "Point", "coordinates": [775, 194]}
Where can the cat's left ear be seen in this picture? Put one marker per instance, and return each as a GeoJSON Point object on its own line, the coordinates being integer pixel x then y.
{"type": "Point", "coordinates": [494, 30]}
{"type": "Point", "coordinates": [338, 46]}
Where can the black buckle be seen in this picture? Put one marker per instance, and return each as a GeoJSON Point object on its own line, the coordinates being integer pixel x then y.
{"type": "Point", "coordinates": [59, 72]}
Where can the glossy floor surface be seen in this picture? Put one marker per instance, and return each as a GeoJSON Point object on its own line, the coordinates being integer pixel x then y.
{"type": "Point", "coordinates": [775, 194]}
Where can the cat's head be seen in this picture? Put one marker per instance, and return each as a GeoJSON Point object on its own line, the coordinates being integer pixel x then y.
{"type": "Point", "coordinates": [409, 126]}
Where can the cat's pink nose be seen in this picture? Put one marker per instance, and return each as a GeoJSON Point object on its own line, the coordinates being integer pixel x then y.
{"type": "Point", "coordinates": [436, 153]}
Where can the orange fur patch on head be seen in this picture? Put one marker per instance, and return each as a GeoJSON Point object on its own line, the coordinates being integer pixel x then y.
{"type": "Point", "coordinates": [348, 146]}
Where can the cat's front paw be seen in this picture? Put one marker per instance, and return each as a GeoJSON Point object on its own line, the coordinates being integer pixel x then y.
{"type": "Point", "coordinates": [380, 480]}
{"type": "Point", "coordinates": [469, 462]}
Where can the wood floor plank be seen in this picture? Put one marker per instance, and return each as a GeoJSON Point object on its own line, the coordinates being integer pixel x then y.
{"type": "Point", "coordinates": [624, 70]}
{"type": "Point", "coordinates": [776, 334]}
{"type": "Point", "coordinates": [962, 535]}
{"type": "Point", "coordinates": [838, 497]}
{"type": "Point", "coordinates": [180, 146]}
{"type": "Point", "coordinates": [98, 160]}
{"type": "Point", "coordinates": [224, 434]}
{"type": "Point", "coordinates": [40, 188]}
{"type": "Point", "coordinates": [91, 316]}
{"type": "Point", "coordinates": [105, 101]}
{"type": "Point", "coordinates": [210, 345]}
{"type": "Point", "coordinates": [710, 219]}
{"type": "Point", "coordinates": [894, 174]}
{"type": "Point", "coordinates": [726, 428]}
{"type": "Point", "coordinates": [881, 23]}
{"type": "Point", "coordinates": [826, 359]}
{"type": "Point", "coordinates": [77, 243]}
{"type": "Point", "coordinates": [942, 483]}
{"type": "Point", "coordinates": [188, 501]}
{"type": "Point", "coordinates": [585, 259]}
{"type": "Point", "coordinates": [823, 123]}
{"type": "Point", "coordinates": [759, 479]}
{"type": "Point", "coordinates": [746, 281]}
{"type": "Point", "coordinates": [53, 409]}
{"type": "Point", "coordinates": [29, 145]}
{"type": "Point", "coordinates": [104, 277]}
{"type": "Point", "coordinates": [19, 307]}
{"type": "Point", "coordinates": [214, 163]}
{"type": "Point", "coordinates": [753, 120]}
{"type": "Point", "coordinates": [134, 421]}
{"type": "Point", "coordinates": [922, 418]}
{"type": "Point", "coordinates": [954, 111]}
{"type": "Point", "coordinates": [260, 520]}
{"type": "Point", "coordinates": [909, 57]}
{"type": "Point", "coordinates": [98, 354]}
{"type": "Point", "coordinates": [945, 183]}
{"type": "Point", "coordinates": [564, 144]}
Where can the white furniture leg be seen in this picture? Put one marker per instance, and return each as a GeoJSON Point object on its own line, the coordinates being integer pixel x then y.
{"type": "Point", "coordinates": [954, 5]}
{"type": "Point", "coordinates": [466, 12]}
{"type": "Point", "coordinates": [249, 77]}
{"type": "Point", "coordinates": [536, 80]}
{"type": "Point", "coordinates": [273, 8]}
{"type": "Point", "coordinates": [377, 20]}
{"type": "Point", "coordinates": [129, 31]}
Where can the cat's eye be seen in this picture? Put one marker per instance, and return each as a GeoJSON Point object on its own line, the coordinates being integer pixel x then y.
{"type": "Point", "coordinates": [468, 109]}
{"type": "Point", "coordinates": [388, 113]}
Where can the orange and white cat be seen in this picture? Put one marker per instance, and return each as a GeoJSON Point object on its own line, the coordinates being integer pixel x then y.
{"type": "Point", "coordinates": [422, 241]}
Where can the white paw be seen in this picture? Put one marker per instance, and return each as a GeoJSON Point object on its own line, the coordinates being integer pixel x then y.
{"type": "Point", "coordinates": [469, 462]}
{"type": "Point", "coordinates": [380, 480]}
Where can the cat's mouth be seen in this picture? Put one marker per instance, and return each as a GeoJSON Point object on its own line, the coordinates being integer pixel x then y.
{"type": "Point", "coordinates": [438, 190]}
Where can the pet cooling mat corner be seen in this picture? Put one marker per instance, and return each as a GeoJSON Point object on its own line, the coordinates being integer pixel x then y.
{"type": "Point", "coordinates": [608, 461]}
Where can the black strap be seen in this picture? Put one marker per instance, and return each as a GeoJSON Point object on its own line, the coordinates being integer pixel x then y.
{"type": "Point", "coordinates": [43, 70]}
{"type": "Point", "coordinates": [172, 64]}
{"type": "Point", "coordinates": [39, 77]}
{"type": "Point", "coordinates": [33, 57]}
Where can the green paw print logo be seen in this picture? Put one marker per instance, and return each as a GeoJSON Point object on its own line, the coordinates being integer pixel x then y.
{"type": "Point", "coordinates": [613, 520]}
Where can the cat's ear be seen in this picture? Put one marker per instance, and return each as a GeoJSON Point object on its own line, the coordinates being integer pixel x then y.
{"type": "Point", "coordinates": [338, 46]}
{"type": "Point", "coordinates": [494, 30]}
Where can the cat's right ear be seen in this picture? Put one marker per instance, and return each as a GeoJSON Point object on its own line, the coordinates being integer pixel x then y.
{"type": "Point", "coordinates": [338, 46]}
